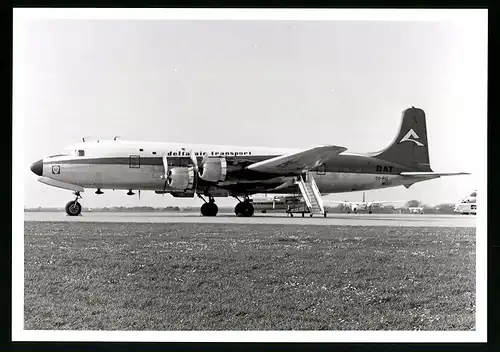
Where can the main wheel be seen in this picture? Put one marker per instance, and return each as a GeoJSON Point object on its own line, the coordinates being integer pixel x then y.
{"type": "Point", "coordinates": [73, 208]}
{"type": "Point", "coordinates": [245, 209]}
{"type": "Point", "coordinates": [209, 209]}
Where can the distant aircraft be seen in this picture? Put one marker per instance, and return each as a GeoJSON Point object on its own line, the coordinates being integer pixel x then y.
{"type": "Point", "coordinates": [186, 170]}
{"type": "Point", "coordinates": [467, 205]}
{"type": "Point", "coordinates": [364, 205]}
{"type": "Point", "coordinates": [416, 210]}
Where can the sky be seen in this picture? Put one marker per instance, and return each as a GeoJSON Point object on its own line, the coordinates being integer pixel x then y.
{"type": "Point", "coordinates": [289, 84]}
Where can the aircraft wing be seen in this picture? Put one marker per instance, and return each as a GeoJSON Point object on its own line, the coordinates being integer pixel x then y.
{"type": "Point", "coordinates": [336, 202]}
{"type": "Point", "coordinates": [426, 174]}
{"type": "Point", "coordinates": [387, 201]}
{"type": "Point", "coordinates": [297, 163]}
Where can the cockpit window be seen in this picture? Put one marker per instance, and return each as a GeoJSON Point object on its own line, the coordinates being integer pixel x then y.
{"type": "Point", "coordinates": [80, 152]}
{"type": "Point", "coordinates": [473, 194]}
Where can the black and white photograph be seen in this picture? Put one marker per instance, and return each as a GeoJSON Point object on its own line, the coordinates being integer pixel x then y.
{"type": "Point", "coordinates": [288, 175]}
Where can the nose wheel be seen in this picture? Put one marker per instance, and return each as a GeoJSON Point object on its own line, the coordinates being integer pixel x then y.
{"type": "Point", "coordinates": [74, 208]}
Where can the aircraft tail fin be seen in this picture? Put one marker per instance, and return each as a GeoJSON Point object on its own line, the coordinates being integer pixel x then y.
{"type": "Point", "coordinates": [410, 147]}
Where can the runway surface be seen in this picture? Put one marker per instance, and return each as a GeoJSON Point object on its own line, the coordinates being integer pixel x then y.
{"type": "Point", "coordinates": [414, 220]}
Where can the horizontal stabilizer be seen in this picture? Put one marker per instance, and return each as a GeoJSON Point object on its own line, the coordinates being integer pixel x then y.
{"type": "Point", "coordinates": [59, 184]}
{"type": "Point", "coordinates": [437, 174]}
{"type": "Point", "coordinates": [299, 162]}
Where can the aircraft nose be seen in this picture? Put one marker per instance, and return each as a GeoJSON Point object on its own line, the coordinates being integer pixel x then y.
{"type": "Point", "coordinates": [37, 167]}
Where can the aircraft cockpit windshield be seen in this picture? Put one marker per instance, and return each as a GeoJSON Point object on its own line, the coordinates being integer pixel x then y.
{"type": "Point", "coordinates": [473, 194]}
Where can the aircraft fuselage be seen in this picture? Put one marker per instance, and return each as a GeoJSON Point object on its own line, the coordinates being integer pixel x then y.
{"type": "Point", "coordinates": [138, 165]}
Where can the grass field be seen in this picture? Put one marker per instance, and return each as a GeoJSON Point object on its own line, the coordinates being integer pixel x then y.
{"type": "Point", "coordinates": [119, 276]}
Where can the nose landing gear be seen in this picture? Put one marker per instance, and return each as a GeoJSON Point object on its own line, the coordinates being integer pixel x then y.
{"type": "Point", "coordinates": [73, 208]}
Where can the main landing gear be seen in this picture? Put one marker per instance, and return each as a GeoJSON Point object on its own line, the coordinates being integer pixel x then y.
{"type": "Point", "coordinates": [244, 208]}
{"type": "Point", "coordinates": [73, 208]}
{"type": "Point", "coordinates": [209, 208]}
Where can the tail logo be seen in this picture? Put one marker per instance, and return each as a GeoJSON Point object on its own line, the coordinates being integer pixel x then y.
{"type": "Point", "coordinates": [409, 137]}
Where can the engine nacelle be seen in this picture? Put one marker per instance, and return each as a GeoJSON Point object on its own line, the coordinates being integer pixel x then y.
{"type": "Point", "coordinates": [180, 178]}
{"type": "Point", "coordinates": [214, 169]}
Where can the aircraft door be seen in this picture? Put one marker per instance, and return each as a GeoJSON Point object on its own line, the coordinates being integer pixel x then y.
{"type": "Point", "coordinates": [321, 170]}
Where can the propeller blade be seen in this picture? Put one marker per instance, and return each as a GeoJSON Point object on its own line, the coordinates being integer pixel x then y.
{"type": "Point", "coordinates": [165, 166]}
{"type": "Point", "coordinates": [194, 160]}
{"type": "Point", "coordinates": [205, 158]}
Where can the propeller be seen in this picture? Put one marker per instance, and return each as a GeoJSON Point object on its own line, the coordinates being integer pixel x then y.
{"type": "Point", "coordinates": [165, 175]}
{"type": "Point", "coordinates": [194, 160]}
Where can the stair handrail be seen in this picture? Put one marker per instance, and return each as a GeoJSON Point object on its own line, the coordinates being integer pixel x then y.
{"type": "Point", "coordinates": [303, 190]}
{"type": "Point", "coordinates": [317, 194]}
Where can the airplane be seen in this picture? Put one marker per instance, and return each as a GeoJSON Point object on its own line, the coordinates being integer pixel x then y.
{"type": "Point", "coordinates": [416, 210]}
{"type": "Point", "coordinates": [466, 205]}
{"type": "Point", "coordinates": [364, 205]}
{"type": "Point", "coordinates": [209, 171]}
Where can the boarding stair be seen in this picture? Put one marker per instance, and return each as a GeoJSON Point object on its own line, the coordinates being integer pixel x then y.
{"type": "Point", "coordinates": [311, 194]}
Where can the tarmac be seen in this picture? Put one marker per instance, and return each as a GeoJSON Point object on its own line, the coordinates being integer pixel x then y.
{"type": "Point", "coordinates": [342, 219]}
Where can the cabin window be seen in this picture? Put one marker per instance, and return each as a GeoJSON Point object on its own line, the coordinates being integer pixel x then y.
{"type": "Point", "coordinates": [80, 153]}
{"type": "Point", "coordinates": [141, 150]}
{"type": "Point", "coordinates": [154, 153]}
{"type": "Point", "coordinates": [134, 161]}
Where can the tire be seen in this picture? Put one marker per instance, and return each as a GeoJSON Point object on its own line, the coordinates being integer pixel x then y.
{"type": "Point", "coordinates": [209, 209]}
{"type": "Point", "coordinates": [244, 209]}
{"type": "Point", "coordinates": [237, 209]}
{"type": "Point", "coordinates": [73, 208]}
